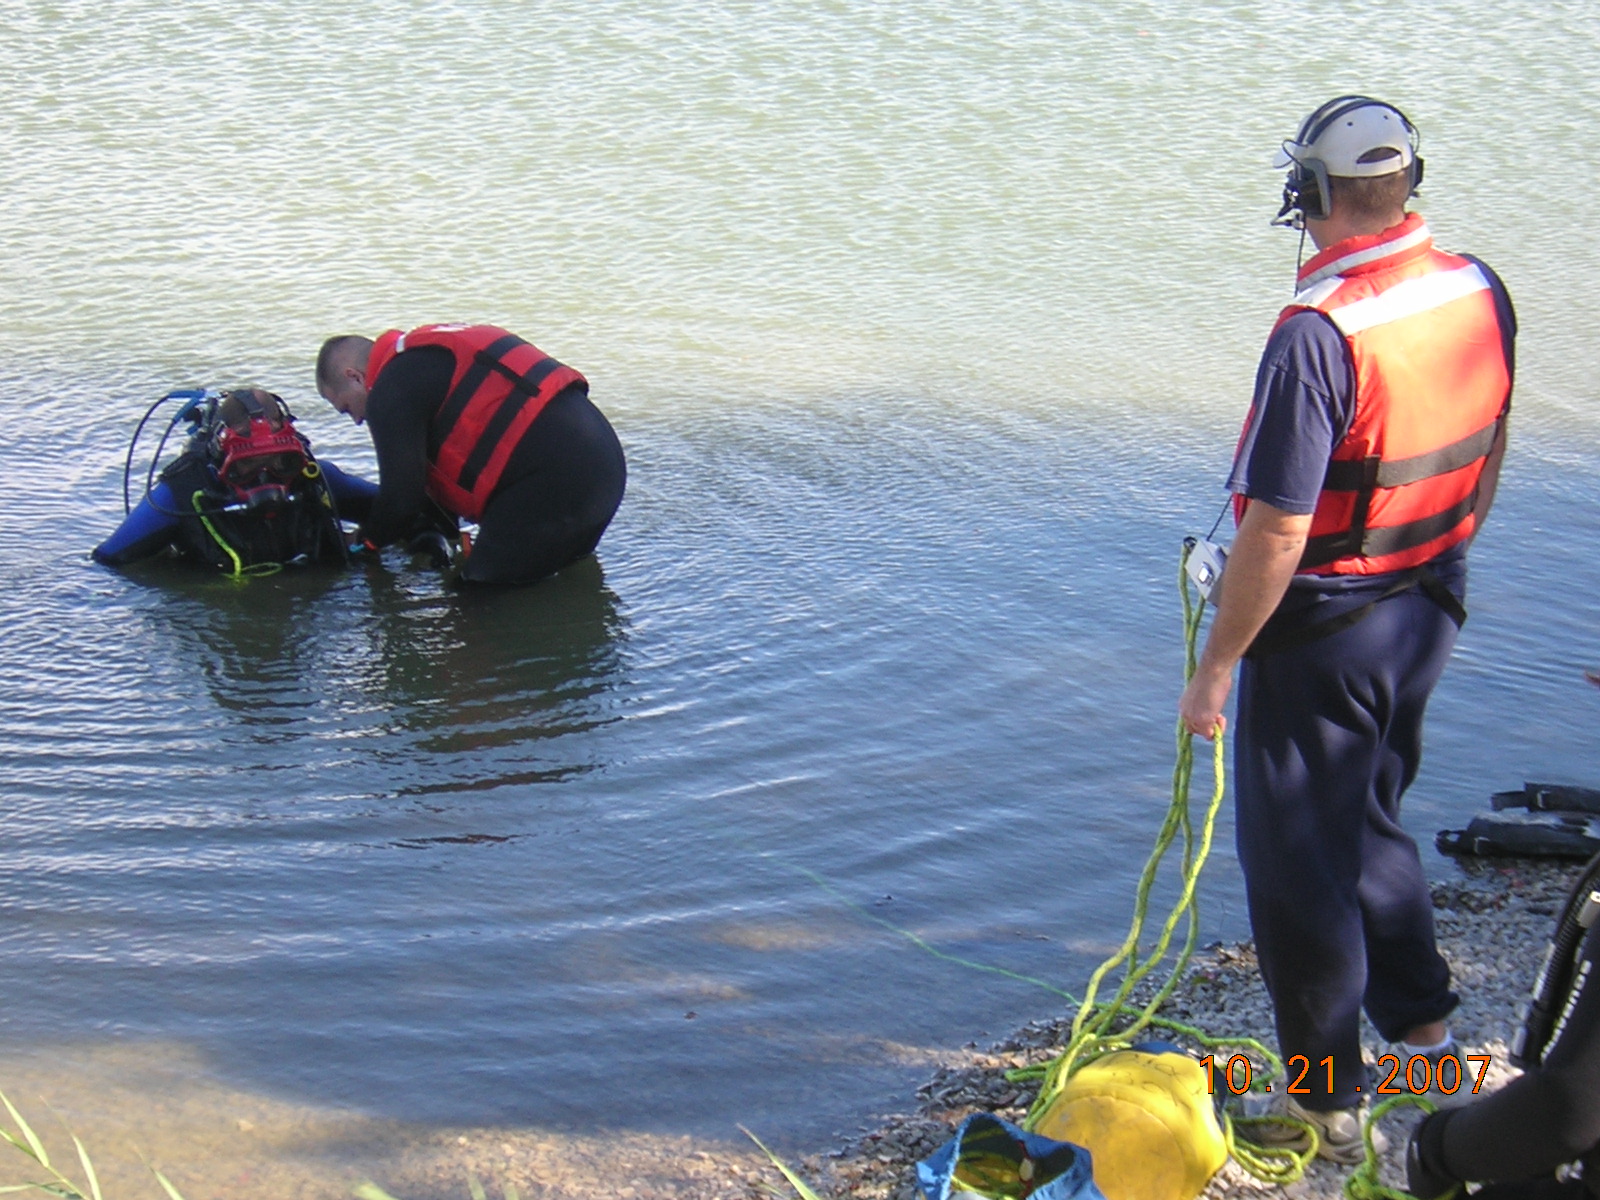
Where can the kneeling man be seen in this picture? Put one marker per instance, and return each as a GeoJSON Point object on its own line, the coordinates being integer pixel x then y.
{"type": "Point", "coordinates": [493, 430]}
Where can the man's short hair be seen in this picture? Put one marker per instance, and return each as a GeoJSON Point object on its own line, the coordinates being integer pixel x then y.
{"type": "Point", "coordinates": [1372, 195]}
{"type": "Point", "coordinates": [327, 372]}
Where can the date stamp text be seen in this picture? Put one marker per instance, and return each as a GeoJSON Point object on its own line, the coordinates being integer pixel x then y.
{"type": "Point", "coordinates": [1416, 1075]}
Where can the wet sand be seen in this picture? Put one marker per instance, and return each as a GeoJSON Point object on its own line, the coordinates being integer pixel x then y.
{"type": "Point", "coordinates": [149, 1104]}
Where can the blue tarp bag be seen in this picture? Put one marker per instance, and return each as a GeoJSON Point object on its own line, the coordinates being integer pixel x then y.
{"type": "Point", "coordinates": [993, 1158]}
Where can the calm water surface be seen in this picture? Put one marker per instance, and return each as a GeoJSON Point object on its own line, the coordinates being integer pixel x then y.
{"type": "Point", "coordinates": [927, 333]}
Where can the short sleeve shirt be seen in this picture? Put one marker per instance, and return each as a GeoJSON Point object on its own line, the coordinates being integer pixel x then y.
{"type": "Point", "coordinates": [1305, 398]}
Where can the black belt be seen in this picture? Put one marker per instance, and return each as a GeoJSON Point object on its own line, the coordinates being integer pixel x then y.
{"type": "Point", "coordinates": [1418, 577]}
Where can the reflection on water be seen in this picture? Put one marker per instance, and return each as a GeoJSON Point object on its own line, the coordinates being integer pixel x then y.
{"type": "Point", "coordinates": [451, 691]}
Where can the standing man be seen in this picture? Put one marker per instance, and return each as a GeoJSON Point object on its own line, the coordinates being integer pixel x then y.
{"type": "Point", "coordinates": [1368, 461]}
{"type": "Point", "coordinates": [493, 430]}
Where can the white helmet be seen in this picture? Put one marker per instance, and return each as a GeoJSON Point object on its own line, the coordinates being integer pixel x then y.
{"type": "Point", "coordinates": [1339, 139]}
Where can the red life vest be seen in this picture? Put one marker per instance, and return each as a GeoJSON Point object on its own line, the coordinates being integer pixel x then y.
{"type": "Point", "coordinates": [500, 384]}
{"type": "Point", "coordinates": [1432, 388]}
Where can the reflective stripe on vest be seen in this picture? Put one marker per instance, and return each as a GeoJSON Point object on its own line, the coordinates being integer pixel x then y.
{"type": "Point", "coordinates": [499, 386]}
{"type": "Point", "coordinates": [1432, 382]}
{"type": "Point", "coordinates": [1409, 298]}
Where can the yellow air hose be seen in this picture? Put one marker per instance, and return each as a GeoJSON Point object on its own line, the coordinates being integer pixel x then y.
{"type": "Point", "coordinates": [240, 571]}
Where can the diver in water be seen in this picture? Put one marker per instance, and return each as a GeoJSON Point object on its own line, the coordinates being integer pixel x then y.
{"type": "Point", "coordinates": [246, 494]}
{"type": "Point", "coordinates": [1548, 1117]}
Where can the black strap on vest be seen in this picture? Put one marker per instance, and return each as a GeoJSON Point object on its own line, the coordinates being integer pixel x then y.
{"type": "Point", "coordinates": [1351, 475]}
{"type": "Point", "coordinates": [524, 385]}
{"type": "Point", "coordinates": [472, 379]}
{"type": "Point", "coordinates": [1418, 577]}
{"type": "Point", "coordinates": [1366, 475]}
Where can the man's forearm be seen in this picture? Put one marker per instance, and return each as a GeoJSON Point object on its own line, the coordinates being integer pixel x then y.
{"type": "Point", "coordinates": [1263, 559]}
{"type": "Point", "coordinates": [1265, 553]}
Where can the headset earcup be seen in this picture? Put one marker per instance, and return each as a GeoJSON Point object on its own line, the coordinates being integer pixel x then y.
{"type": "Point", "coordinates": [1316, 199]}
{"type": "Point", "coordinates": [1416, 172]}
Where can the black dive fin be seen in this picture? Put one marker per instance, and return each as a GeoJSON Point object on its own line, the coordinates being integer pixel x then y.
{"type": "Point", "coordinates": [1549, 797]}
{"type": "Point", "coordinates": [1531, 834]}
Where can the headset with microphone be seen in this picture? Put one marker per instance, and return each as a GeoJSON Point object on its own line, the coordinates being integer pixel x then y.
{"type": "Point", "coordinates": [1306, 192]}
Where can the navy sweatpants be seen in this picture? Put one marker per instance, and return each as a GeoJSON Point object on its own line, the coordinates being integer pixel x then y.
{"type": "Point", "coordinates": [1329, 737]}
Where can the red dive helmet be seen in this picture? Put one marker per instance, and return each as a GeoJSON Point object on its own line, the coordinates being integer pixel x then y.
{"type": "Point", "coordinates": [261, 456]}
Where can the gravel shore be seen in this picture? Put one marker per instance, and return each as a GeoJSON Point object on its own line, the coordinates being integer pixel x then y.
{"type": "Point", "coordinates": [1493, 918]}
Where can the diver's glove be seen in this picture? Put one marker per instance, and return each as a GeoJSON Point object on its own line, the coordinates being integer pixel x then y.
{"type": "Point", "coordinates": [1425, 1177]}
{"type": "Point", "coordinates": [434, 546]}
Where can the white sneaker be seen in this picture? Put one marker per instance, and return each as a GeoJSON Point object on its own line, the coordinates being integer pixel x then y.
{"type": "Point", "coordinates": [1338, 1131]}
{"type": "Point", "coordinates": [1458, 1072]}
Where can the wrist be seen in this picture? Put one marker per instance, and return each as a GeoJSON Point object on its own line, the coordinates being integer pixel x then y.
{"type": "Point", "coordinates": [1426, 1176]}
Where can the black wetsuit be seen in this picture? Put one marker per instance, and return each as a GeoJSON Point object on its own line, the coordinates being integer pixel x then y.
{"type": "Point", "coordinates": [1548, 1116]}
{"type": "Point", "coordinates": [559, 490]}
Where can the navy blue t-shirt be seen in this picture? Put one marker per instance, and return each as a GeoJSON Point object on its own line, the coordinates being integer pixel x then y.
{"type": "Point", "coordinates": [1304, 401]}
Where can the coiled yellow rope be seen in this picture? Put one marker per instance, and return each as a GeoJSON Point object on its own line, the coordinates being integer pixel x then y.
{"type": "Point", "coordinates": [1092, 1033]}
{"type": "Point", "coordinates": [1364, 1183]}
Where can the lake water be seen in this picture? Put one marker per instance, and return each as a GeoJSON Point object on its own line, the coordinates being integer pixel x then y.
{"type": "Point", "coordinates": [927, 332]}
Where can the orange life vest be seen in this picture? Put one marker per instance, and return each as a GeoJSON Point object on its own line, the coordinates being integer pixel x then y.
{"type": "Point", "coordinates": [500, 384]}
{"type": "Point", "coordinates": [1433, 383]}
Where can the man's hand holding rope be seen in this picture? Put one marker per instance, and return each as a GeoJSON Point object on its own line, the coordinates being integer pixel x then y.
{"type": "Point", "coordinates": [1262, 560]}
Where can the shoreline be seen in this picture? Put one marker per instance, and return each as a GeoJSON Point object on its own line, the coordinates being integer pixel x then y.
{"type": "Point", "coordinates": [1493, 919]}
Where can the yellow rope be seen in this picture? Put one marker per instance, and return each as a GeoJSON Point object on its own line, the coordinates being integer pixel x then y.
{"type": "Point", "coordinates": [1270, 1164]}
{"type": "Point", "coordinates": [1092, 1035]}
{"type": "Point", "coordinates": [239, 569]}
{"type": "Point", "coordinates": [1364, 1183]}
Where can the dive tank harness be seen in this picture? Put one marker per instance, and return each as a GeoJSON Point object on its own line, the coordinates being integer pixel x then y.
{"type": "Point", "coordinates": [1553, 989]}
